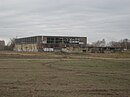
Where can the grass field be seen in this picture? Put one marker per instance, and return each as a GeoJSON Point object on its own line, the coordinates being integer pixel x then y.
{"type": "Point", "coordinates": [64, 78]}
{"type": "Point", "coordinates": [59, 55]}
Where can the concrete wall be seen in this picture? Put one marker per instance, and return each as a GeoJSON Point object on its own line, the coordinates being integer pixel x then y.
{"type": "Point", "coordinates": [26, 47]}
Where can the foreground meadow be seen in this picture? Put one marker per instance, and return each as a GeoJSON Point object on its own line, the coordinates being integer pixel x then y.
{"type": "Point", "coordinates": [64, 78]}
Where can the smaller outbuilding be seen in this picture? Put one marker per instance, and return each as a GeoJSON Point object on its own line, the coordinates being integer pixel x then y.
{"type": "Point", "coordinates": [2, 44]}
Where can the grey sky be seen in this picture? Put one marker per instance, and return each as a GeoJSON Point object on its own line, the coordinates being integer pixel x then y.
{"type": "Point", "coordinates": [96, 19]}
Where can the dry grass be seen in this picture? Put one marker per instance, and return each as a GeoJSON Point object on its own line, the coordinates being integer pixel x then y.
{"type": "Point", "coordinates": [41, 55]}
{"type": "Point", "coordinates": [59, 55]}
{"type": "Point", "coordinates": [112, 55]}
{"type": "Point", "coordinates": [64, 78]}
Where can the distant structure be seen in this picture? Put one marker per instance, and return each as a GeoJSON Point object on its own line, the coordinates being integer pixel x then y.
{"type": "Point", "coordinates": [2, 44]}
{"type": "Point", "coordinates": [51, 43]}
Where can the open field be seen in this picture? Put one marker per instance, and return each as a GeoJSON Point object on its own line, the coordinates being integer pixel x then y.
{"type": "Point", "coordinates": [64, 78]}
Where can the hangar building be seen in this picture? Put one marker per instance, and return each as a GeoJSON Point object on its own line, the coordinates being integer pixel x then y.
{"type": "Point", "coordinates": [50, 43]}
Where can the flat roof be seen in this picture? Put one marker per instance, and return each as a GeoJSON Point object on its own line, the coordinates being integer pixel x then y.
{"type": "Point", "coordinates": [53, 36]}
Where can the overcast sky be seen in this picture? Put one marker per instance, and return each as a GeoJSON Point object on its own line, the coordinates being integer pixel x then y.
{"type": "Point", "coordinates": [95, 19]}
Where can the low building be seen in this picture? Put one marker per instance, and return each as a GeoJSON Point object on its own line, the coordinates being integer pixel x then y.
{"type": "Point", "coordinates": [50, 43]}
{"type": "Point", "coordinates": [2, 44]}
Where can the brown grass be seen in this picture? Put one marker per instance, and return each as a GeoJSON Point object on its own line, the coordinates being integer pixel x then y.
{"type": "Point", "coordinates": [64, 78]}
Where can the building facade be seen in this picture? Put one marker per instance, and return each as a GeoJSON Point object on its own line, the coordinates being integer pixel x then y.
{"type": "Point", "coordinates": [49, 43]}
{"type": "Point", "coordinates": [2, 44]}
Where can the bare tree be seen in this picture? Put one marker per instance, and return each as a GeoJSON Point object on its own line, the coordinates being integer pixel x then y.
{"type": "Point", "coordinates": [11, 44]}
{"type": "Point", "coordinates": [125, 43]}
{"type": "Point", "coordinates": [115, 44]}
{"type": "Point", "coordinates": [99, 43]}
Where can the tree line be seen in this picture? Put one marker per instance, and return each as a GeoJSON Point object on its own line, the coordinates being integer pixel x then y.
{"type": "Point", "coordinates": [124, 43]}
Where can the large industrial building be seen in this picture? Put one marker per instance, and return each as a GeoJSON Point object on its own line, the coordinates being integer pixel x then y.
{"type": "Point", "coordinates": [50, 43]}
